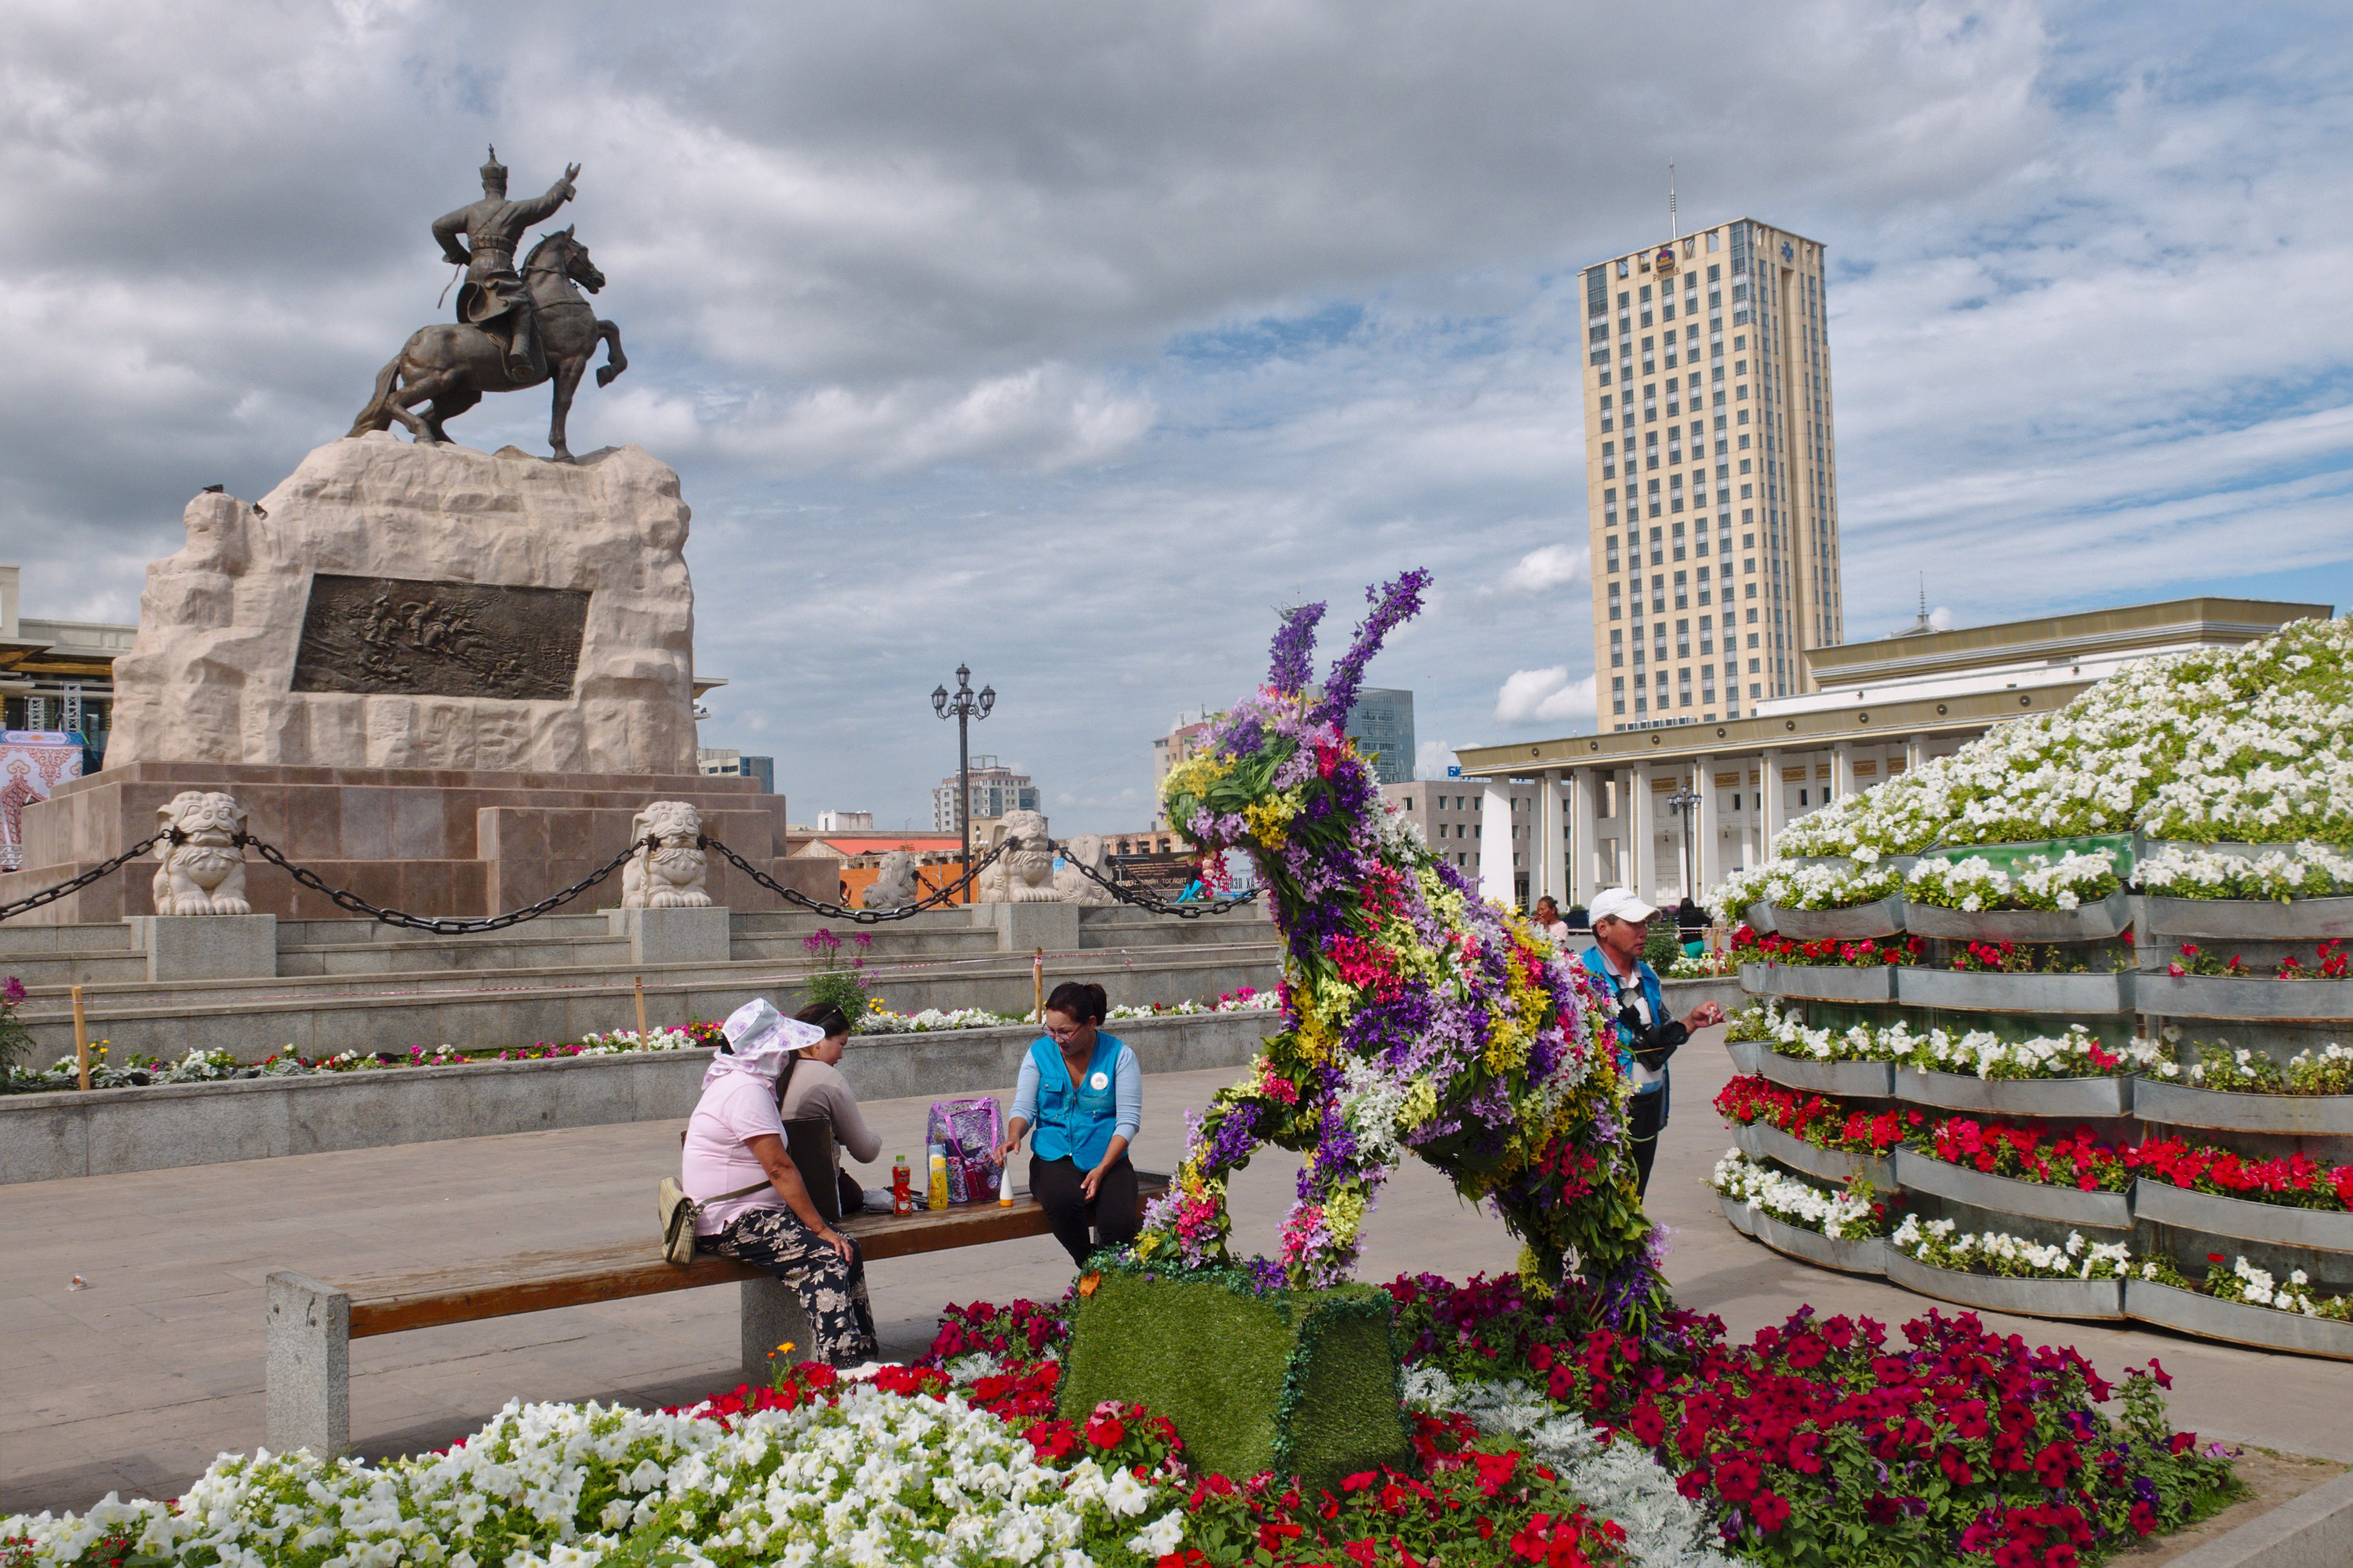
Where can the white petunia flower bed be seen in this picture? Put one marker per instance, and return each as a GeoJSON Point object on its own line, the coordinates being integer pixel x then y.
{"type": "Point", "coordinates": [1840, 1216]}
{"type": "Point", "coordinates": [2252, 744]}
{"type": "Point", "coordinates": [1976, 1053]}
{"type": "Point", "coordinates": [1942, 1244]}
{"type": "Point", "coordinates": [874, 1479]}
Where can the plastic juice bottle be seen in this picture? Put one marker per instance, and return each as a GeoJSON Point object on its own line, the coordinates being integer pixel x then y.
{"type": "Point", "coordinates": [939, 1183]}
{"type": "Point", "coordinates": [902, 1179]}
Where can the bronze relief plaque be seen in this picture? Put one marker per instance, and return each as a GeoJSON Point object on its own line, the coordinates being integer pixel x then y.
{"type": "Point", "coordinates": [395, 636]}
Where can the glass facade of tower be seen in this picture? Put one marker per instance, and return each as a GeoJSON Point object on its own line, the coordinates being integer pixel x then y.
{"type": "Point", "coordinates": [1711, 474]}
{"type": "Point", "coordinates": [1381, 724]}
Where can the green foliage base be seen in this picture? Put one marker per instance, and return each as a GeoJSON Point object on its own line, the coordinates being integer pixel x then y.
{"type": "Point", "coordinates": [1298, 1381]}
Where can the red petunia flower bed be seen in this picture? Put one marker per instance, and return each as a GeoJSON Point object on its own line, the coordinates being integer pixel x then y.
{"type": "Point", "coordinates": [1818, 1442]}
{"type": "Point", "coordinates": [2075, 1159]}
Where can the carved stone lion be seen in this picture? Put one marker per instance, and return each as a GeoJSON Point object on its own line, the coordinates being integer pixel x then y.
{"type": "Point", "coordinates": [1023, 875]}
{"type": "Point", "coordinates": [204, 874]}
{"type": "Point", "coordinates": [894, 886]}
{"type": "Point", "coordinates": [1088, 850]}
{"type": "Point", "coordinates": [669, 877]}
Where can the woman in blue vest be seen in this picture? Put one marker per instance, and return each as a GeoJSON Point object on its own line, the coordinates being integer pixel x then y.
{"type": "Point", "coordinates": [1646, 1036]}
{"type": "Point", "coordinates": [1083, 1092]}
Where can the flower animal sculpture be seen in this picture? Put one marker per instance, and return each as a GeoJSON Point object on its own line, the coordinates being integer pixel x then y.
{"type": "Point", "coordinates": [1417, 1018]}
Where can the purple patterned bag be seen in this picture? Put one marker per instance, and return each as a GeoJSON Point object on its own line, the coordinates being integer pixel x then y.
{"type": "Point", "coordinates": [970, 1130]}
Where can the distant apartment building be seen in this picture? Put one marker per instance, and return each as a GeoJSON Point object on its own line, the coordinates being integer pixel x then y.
{"type": "Point", "coordinates": [721, 762]}
{"type": "Point", "coordinates": [1711, 475]}
{"type": "Point", "coordinates": [845, 822]}
{"type": "Point", "coordinates": [996, 790]}
{"type": "Point", "coordinates": [1184, 740]}
{"type": "Point", "coordinates": [58, 675]}
{"type": "Point", "coordinates": [1450, 814]}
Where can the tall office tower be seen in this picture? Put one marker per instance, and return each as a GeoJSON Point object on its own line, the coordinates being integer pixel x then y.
{"type": "Point", "coordinates": [1710, 478]}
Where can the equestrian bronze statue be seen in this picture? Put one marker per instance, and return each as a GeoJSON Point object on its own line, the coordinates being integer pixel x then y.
{"type": "Point", "coordinates": [517, 326]}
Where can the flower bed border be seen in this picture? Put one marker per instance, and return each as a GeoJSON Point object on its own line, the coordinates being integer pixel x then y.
{"type": "Point", "coordinates": [2242, 1219]}
{"type": "Point", "coordinates": [1917, 1171]}
{"type": "Point", "coordinates": [2016, 1097]}
{"type": "Point", "coordinates": [2222, 996]}
{"type": "Point", "coordinates": [2081, 1299]}
{"type": "Point", "coordinates": [1865, 1256]}
{"type": "Point", "coordinates": [1881, 917]}
{"type": "Point", "coordinates": [1954, 990]}
{"type": "Point", "coordinates": [2225, 1111]}
{"type": "Point", "coordinates": [1846, 1079]}
{"type": "Point", "coordinates": [2238, 1323]}
{"type": "Point", "coordinates": [2090, 922]}
{"type": "Point", "coordinates": [1742, 1217]}
{"type": "Point", "coordinates": [2247, 920]}
{"type": "Point", "coordinates": [1762, 1141]}
{"type": "Point", "coordinates": [1747, 1056]}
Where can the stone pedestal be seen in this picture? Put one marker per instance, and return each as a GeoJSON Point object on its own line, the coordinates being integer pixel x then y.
{"type": "Point", "coordinates": [454, 842]}
{"type": "Point", "coordinates": [393, 606]}
{"type": "Point", "coordinates": [208, 947]}
{"type": "Point", "coordinates": [675, 936]}
{"type": "Point", "coordinates": [1025, 928]}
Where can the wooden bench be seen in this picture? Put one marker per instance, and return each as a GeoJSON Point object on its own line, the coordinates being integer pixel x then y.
{"type": "Point", "coordinates": [312, 1324]}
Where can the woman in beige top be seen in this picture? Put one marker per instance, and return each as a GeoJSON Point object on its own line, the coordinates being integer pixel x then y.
{"type": "Point", "coordinates": [818, 1091]}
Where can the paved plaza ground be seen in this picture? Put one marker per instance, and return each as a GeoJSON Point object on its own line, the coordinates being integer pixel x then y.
{"type": "Point", "coordinates": [135, 1382]}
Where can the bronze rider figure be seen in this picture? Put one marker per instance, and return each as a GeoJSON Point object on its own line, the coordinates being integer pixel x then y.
{"type": "Point", "coordinates": [493, 298]}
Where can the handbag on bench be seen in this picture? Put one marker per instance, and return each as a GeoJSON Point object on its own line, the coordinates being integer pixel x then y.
{"type": "Point", "coordinates": [679, 1213]}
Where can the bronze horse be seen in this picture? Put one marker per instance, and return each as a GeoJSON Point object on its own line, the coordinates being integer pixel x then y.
{"type": "Point", "coordinates": [452, 366]}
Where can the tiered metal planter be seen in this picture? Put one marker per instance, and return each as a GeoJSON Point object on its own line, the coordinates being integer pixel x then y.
{"type": "Point", "coordinates": [1995, 1293]}
{"type": "Point", "coordinates": [1761, 1142]}
{"type": "Point", "coordinates": [2003, 1195]}
{"type": "Point", "coordinates": [2155, 1218]}
{"type": "Point", "coordinates": [2195, 1313]}
{"type": "Point", "coordinates": [2092, 922]}
{"type": "Point", "coordinates": [1848, 1080]}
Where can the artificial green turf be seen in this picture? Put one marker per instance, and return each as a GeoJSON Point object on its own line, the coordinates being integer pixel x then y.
{"type": "Point", "coordinates": [1298, 1380]}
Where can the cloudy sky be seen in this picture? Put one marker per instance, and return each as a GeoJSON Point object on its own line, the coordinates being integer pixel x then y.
{"type": "Point", "coordinates": [1070, 339]}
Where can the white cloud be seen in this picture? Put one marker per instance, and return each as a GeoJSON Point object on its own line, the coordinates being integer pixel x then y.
{"type": "Point", "coordinates": [1553, 567]}
{"type": "Point", "coordinates": [1546, 696]}
{"type": "Point", "coordinates": [1431, 759]}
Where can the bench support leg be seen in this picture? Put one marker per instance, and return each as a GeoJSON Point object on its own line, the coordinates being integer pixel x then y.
{"type": "Point", "coordinates": [772, 1314]}
{"type": "Point", "coordinates": [310, 1366]}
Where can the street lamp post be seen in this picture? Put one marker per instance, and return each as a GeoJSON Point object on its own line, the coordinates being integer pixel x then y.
{"type": "Point", "coordinates": [967, 705]}
{"type": "Point", "coordinates": [1683, 801]}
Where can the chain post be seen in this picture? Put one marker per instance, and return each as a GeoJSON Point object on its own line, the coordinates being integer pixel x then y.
{"type": "Point", "coordinates": [81, 1041]}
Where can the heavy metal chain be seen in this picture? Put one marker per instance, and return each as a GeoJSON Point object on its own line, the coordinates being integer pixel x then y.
{"type": "Point", "coordinates": [450, 925]}
{"type": "Point", "coordinates": [861, 917]}
{"type": "Point", "coordinates": [1144, 901]}
{"type": "Point", "coordinates": [103, 869]}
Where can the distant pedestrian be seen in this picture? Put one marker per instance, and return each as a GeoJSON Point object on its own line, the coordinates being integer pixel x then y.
{"type": "Point", "coordinates": [1548, 922]}
{"type": "Point", "coordinates": [1646, 1036]}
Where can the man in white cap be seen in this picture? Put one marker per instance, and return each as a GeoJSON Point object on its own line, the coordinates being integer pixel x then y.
{"type": "Point", "coordinates": [1646, 1036]}
{"type": "Point", "coordinates": [754, 1206]}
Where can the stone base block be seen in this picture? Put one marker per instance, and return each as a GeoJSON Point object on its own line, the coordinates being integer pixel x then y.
{"type": "Point", "coordinates": [207, 947]}
{"type": "Point", "coordinates": [1025, 928]}
{"type": "Point", "coordinates": [426, 841]}
{"type": "Point", "coordinates": [674, 936]}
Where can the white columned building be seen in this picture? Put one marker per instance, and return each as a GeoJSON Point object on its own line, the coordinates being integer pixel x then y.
{"type": "Point", "coordinates": [1883, 709]}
